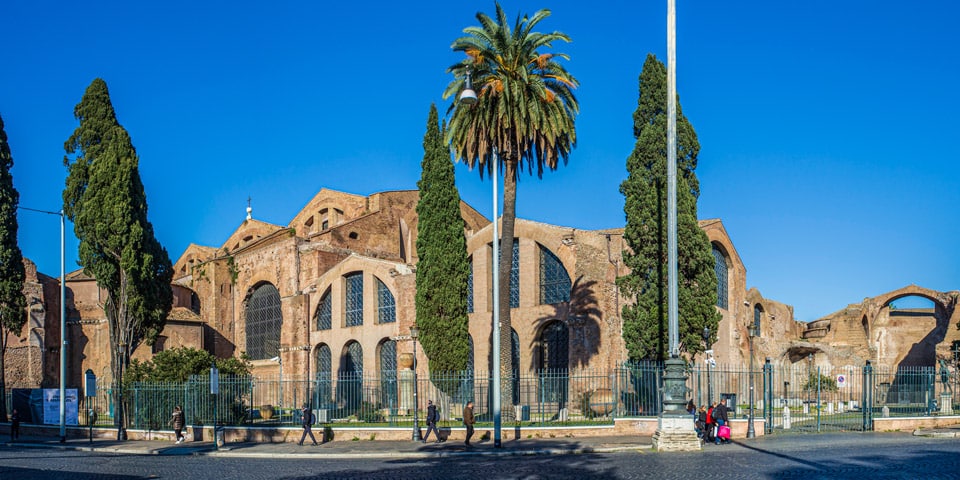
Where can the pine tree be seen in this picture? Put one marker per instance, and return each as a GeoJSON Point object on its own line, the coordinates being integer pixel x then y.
{"type": "Point", "coordinates": [443, 268]}
{"type": "Point", "coordinates": [645, 191]}
{"type": "Point", "coordinates": [12, 302]}
{"type": "Point", "coordinates": [104, 199]}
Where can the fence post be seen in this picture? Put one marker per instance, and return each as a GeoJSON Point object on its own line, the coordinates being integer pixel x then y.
{"type": "Point", "coordinates": [868, 397]}
{"type": "Point", "coordinates": [818, 399]}
{"type": "Point", "coordinates": [768, 396]}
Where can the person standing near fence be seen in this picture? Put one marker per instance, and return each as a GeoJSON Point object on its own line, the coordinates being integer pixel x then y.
{"type": "Point", "coordinates": [306, 419]}
{"type": "Point", "coordinates": [432, 418]}
{"type": "Point", "coordinates": [468, 422]}
{"type": "Point", "coordinates": [720, 417]}
{"type": "Point", "coordinates": [14, 425]}
{"type": "Point", "coordinates": [177, 420]}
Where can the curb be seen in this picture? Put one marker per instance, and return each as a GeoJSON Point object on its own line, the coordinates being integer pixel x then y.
{"type": "Point", "coordinates": [936, 433]}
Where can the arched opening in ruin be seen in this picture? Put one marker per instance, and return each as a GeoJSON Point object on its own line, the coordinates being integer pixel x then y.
{"type": "Point", "coordinates": [914, 325]}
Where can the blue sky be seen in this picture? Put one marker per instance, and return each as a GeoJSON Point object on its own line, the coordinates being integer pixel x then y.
{"type": "Point", "coordinates": [825, 127]}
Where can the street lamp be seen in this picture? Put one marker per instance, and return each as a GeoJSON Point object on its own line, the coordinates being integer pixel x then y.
{"type": "Point", "coordinates": [414, 333]}
{"type": "Point", "coordinates": [63, 323]}
{"type": "Point", "coordinates": [214, 390]}
{"type": "Point", "coordinates": [468, 97]}
{"type": "Point", "coordinates": [706, 343]}
{"type": "Point", "coordinates": [752, 331]}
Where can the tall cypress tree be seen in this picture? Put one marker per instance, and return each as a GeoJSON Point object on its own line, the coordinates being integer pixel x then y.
{"type": "Point", "coordinates": [645, 191]}
{"type": "Point", "coordinates": [12, 274]}
{"type": "Point", "coordinates": [442, 269]}
{"type": "Point", "coordinates": [104, 199]}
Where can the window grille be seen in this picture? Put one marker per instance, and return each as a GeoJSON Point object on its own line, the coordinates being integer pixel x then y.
{"type": "Point", "coordinates": [388, 374]}
{"type": "Point", "coordinates": [757, 314]}
{"type": "Point", "coordinates": [387, 306]}
{"type": "Point", "coordinates": [554, 280]}
{"type": "Point", "coordinates": [353, 361]}
{"type": "Point", "coordinates": [515, 355]}
{"type": "Point", "coordinates": [354, 307]}
{"type": "Point", "coordinates": [350, 384]}
{"type": "Point", "coordinates": [324, 376]}
{"type": "Point", "coordinates": [515, 276]}
{"type": "Point", "coordinates": [470, 289]}
{"type": "Point", "coordinates": [720, 267]}
{"type": "Point", "coordinates": [324, 312]}
{"type": "Point", "coordinates": [263, 322]}
{"type": "Point", "coordinates": [554, 343]}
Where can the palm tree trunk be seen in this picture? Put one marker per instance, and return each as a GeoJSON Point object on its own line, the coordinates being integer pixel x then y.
{"type": "Point", "coordinates": [506, 265]}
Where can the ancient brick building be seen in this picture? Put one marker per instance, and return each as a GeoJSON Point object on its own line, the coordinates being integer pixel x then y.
{"type": "Point", "coordinates": [333, 291]}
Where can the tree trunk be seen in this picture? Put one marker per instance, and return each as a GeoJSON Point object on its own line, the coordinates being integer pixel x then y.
{"type": "Point", "coordinates": [506, 265]}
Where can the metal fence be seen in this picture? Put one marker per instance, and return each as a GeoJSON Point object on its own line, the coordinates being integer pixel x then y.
{"type": "Point", "coordinates": [798, 397]}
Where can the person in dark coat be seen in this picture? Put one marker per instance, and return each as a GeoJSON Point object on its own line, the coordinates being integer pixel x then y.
{"type": "Point", "coordinates": [306, 419]}
{"type": "Point", "coordinates": [14, 425]}
{"type": "Point", "coordinates": [432, 418]}
{"type": "Point", "coordinates": [177, 420]}
{"type": "Point", "coordinates": [468, 421]}
{"type": "Point", "coordinates": [720, 416]}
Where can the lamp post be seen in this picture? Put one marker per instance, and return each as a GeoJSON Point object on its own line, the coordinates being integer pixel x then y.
{"type": "Point", "coordinates": [414, 333]}
{"type": "Point", "coordinates": [752, 331]}
{"type": "Point", "coordinates": [63, 322]}
{"type": "Point", "coordinates": [706, 342]}
{"type": "Point", "coordinates": [468, 97]}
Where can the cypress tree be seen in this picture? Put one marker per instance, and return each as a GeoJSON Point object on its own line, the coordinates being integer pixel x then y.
{"type": "Point", "coordinates": [104, 199]}
{"type": "Point", "coordinates": [442, 269]}
{"type": "Point", "coordinates": [12, 274]}
{"type": "Point", "coordinates": [645, 192]}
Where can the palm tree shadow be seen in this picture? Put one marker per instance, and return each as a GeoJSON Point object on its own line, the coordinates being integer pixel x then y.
{"type": "Point", "coordinates": [582, 316]}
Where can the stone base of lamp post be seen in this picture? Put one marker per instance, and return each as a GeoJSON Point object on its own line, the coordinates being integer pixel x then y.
{"type": "Point", "coordinates": [675, 430]}
{"type": "Point", "coordinates": [946, 404]}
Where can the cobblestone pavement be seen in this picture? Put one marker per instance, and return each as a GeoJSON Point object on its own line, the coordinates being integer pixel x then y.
{"type": "Point", "coordinates": [862, 456]}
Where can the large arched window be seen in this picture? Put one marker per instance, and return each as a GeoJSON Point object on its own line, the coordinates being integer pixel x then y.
{"type": "Point", "coordinates": [554, 344]}
{"type": "Point", "coordinates": [554, 280]}
{"type": "Point", "coordinates": [388, 374]}
{"type": "Point", "coordinates": [386, 305]}
{"type": "Point", "coordinates": [720, 267]}
{"type": "Point", "coordinates": [350, 376]}
{"type": "Point", "coordinates": [353, 311]}
{"type": "Point", "coordinates": [263, 322]}
{"type": "Point", "coordinates": [324, 391]}
{"type": "Point", "coordinates": [324, 314]}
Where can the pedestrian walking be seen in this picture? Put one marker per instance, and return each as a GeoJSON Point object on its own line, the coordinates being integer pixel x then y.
{"type": "Point", "coordinates": [306, 419]}
{"type": "Point", "coordinates": [177, 420]}
{"type": "Point", "coordinates": [468, 421]}
{"type": "Point", "coordinates": [14, 425]}
{"type": "Point", "coordinates": [432, 418]}
{"type": "Point", "coordinates": [700, 424]}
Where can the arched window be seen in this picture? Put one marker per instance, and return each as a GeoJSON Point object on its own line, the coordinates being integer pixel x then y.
{"type": "Point", "coordinates": [263, 322]}
{"type": "Point", "coordinates": [720, 267]}
{"type": "Point", "coordinates": [757, 315]}
{"type": "Point", "coordinates": [324, 314]}
{"type": "Point", "coordinates": [386, 305]}
{"type": "Point", "coordinates": [554, 344]}
{"type": "Point", "coordinates": [515, 276]}
{"type": "Point", "coordinates": [350, 376]}
{"type": "Point", "coordinates": [324, 391]}
{"type": "Point", "coordinates": [554, 280]}
{"type": "Point", "coordinates": [515, 354]}
{"type": "Point", "coordinates": [470, 288]}
{"type": "Point", "coordinates": [388, 374]}
{"type": "Point", "coordinates": [353, 311]}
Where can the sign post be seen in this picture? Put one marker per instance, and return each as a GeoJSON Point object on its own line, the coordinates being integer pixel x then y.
{"type": "Point", "coordinates": [90, 390]}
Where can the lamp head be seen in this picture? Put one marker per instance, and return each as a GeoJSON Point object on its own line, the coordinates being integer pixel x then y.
{"type": "Point", "coordinates": [414, 332]}
{"type": "Point", "coordinates": [468, 96]}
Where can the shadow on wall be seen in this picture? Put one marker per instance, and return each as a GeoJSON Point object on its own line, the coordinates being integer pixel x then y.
{"type": "Point", "coordinates": [581, 316]}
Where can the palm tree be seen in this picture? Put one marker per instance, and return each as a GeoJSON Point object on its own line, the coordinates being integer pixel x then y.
{"type": "Point", "coordinates": [524, 117]}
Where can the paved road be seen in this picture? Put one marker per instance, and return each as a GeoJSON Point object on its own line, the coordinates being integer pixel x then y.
{"type": "Point", "coordinates": [868, 456]}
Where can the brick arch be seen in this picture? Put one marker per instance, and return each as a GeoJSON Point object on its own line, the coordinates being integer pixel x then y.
{"type": "Point", "coordinates": [943, 301]}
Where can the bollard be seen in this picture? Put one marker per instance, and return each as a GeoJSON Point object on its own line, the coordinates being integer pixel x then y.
{"type": "Point", "coordinates": [786, 418]}
{"type": "Point", "coordinates": [886, 412]}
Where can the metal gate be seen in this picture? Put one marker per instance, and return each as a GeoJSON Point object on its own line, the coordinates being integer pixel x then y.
{"type": "Point", "coordinates": [810, 399]}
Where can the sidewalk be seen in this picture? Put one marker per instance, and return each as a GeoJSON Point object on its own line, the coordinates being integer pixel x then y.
{"type": "Point", "coordinates": [358, 449]}
{"type": "Point", "coordinates": [952, 431]}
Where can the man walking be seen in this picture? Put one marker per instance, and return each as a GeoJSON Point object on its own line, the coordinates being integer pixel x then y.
{"type": "Point", "coordinates": [468, 421]}
{"type": "Point", "coordinates": [432, 419]}
{"type": "Point", "coordinates": [306, 419]}
{"type": "Point", "coordinates": [720, 416]}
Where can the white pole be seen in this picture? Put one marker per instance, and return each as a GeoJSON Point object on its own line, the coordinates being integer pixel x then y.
{"type": "Point", "coordinates": [496, 306]}
{"type": "Point", "coordinates": [63, 332]}
{"type": "Point", "coordinates": [672, 178]}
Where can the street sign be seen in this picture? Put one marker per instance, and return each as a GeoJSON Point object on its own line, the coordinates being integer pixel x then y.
{"type": "Point", "coordinates": [841, 380]}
